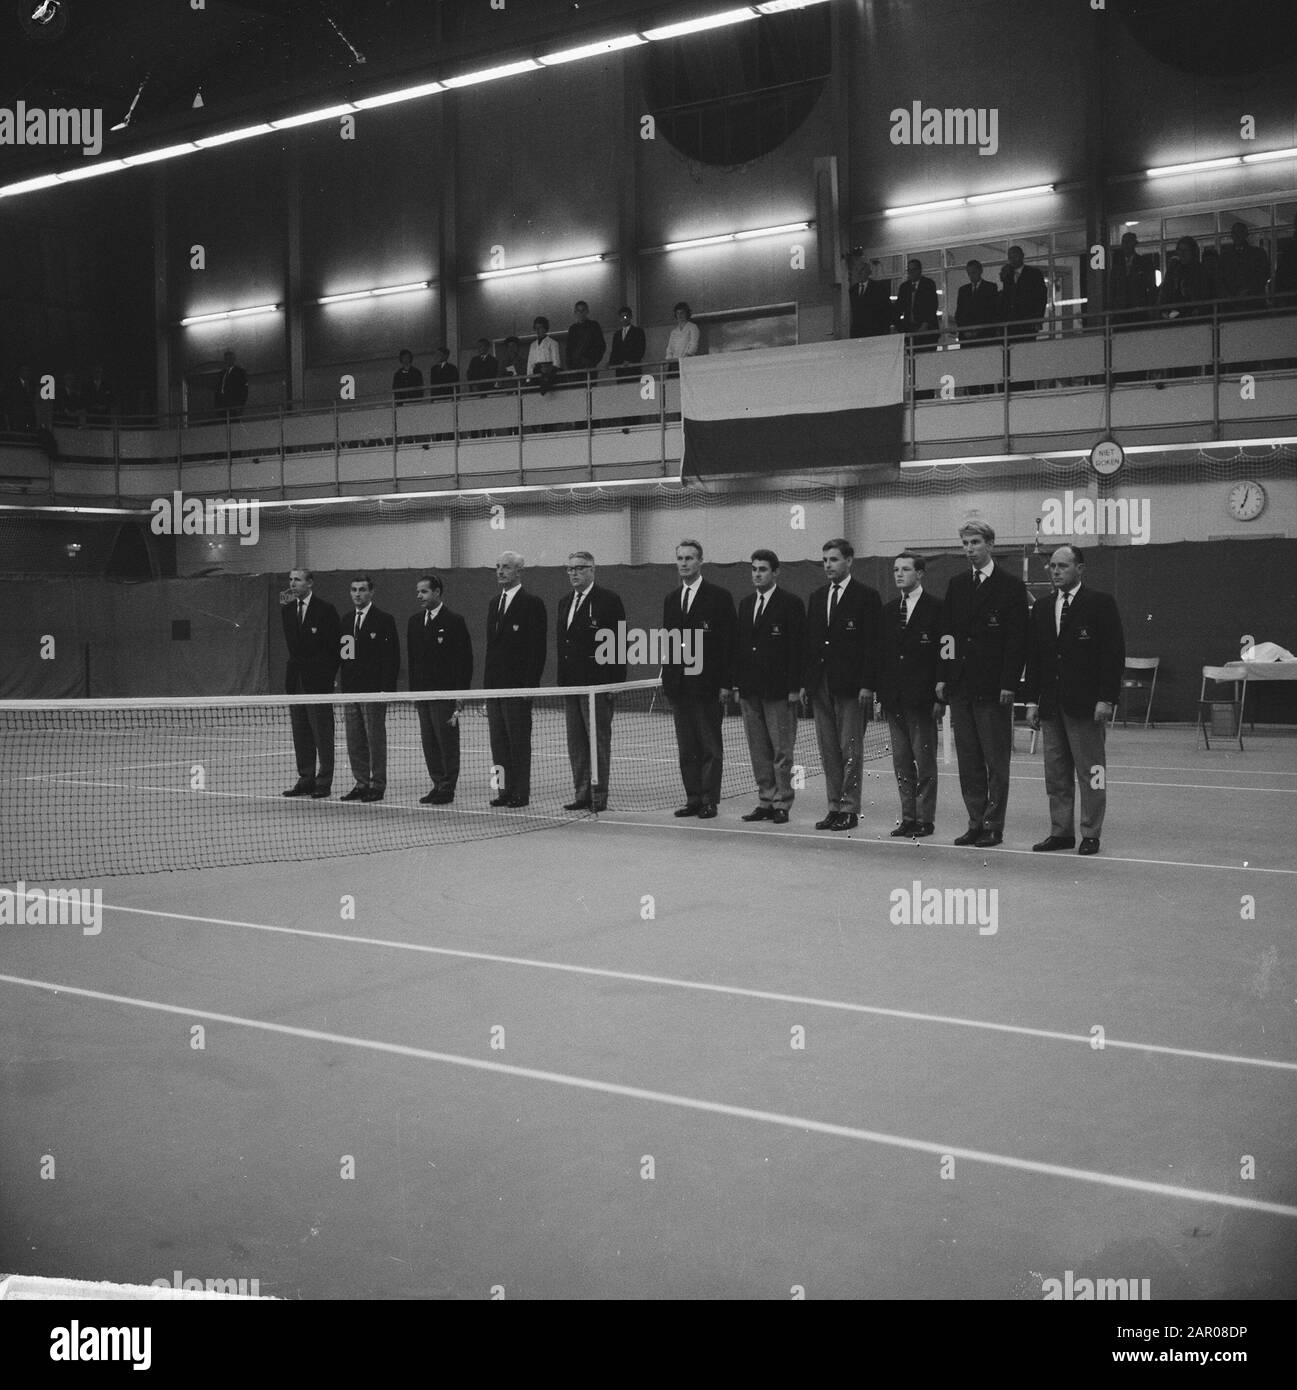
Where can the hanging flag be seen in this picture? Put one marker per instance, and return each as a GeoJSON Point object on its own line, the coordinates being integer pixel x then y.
{"type": "Point", "coordinates": [786, 410]}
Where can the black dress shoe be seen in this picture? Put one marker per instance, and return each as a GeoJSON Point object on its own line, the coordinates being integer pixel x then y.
{"type": "Point", "coordinates": [920, 828]}
{"type": "Point", "coordinates": [847, 820]}
{"type": "Point", "coordinates": [501, 801]}
{"type": "Point", "coordinates": [970, 836]}
{"type": "Point", "coordinates": [830, 822]}
{"type": "Point", "coordinates": [516, 805]}
{"type": "Point", "coordinates": [905, 828]}
{"type": "Point", "coordinates": [321, 793]}
{"type": "Point", "coordinates": [578, 806]}
{"type": "Point", "coordinates": [1054, 842]}
{"type": "Point", "coordinates": [300, 788]}
{"type": "Point", "coordinates": [598, 806]}
{"type": "Point", "coordinates": [355, 794]}
{"type": "Point", "coordinates": [443, 798]}
{"type": "Point", "coordinates": [778, 816]}
{"type": "Point", "coordinates": [761, 813]}
{"type": "Point", "coordinates": [1089, 845]}
{"type": "Point", "coordinates": [708, 812]}
{"type": "Point", "coordinates": [687, 811]}
{"type": "Point", "coordinates": [989, 839]}
{"type": "Point", "coordinates": [429, 799]}
{"type": "Point", "coordinates": [373, 794]}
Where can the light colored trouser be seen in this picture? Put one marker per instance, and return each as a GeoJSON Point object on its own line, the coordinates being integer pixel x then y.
{"type": "Point", "coordinates": [914, 760]}
{"type": "Point", "coordinates": [367, 744]}
{"type": "Point", "coordinates": [839, 730]}
{"type": "Point", "coordinates": [771, 729]}
{"type": "Point", "coordinates": [1074, 755]}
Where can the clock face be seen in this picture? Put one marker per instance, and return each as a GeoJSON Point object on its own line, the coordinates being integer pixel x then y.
{"type": "Point", "coordinates": [1246, 501]}
{"type": "Point", "coordinates": [1107, 457]}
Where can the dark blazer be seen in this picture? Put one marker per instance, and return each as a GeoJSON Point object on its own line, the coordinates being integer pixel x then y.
{"type": "Point", "coordinates": [910, 656]}
{"type": "Point", "coordinates": [440, 653]}
{"type": "Point", "coordinates": [627, 351]}
{"type": "Point", "coordinates": [768, 659]}
{"type": "Point", "coordinates": [377, 660]}
{"type": "Point", "coordinates": [989, 630]}
{"type": "Point", "coordinates": [515, 655]}
{"type": "Point", "coordinates": [483, 369]}
{"type": "Point", "coordinates": [1132, 287]}
{"type": "Point", "coordinates": [848, 656]}
{"type": "Point", "coordinates": [977, 307]}
{"type": "Point", "coordinates": [1024, 298]}
{"type": "Point", "coordinates": [712, 615]}
{"type": "Point", "coordinates": [231, 388]}
{"type": "Point", "coordinates": [871, 308]}
{"type": "Point", "coordinates": [1081, 665]}
{"type": "Point", "coordinates": [576, 645]}
{"type": "Point", "coordinates": [407, 383]}
{"type": "Point", "coordinates": [585, 345]}
{"type": "Point", "coordinates": [313, 652]}
{"type": "Point", "coordinates": [441, 378]}
{"type": "Point", "coordinates": [916, 305]}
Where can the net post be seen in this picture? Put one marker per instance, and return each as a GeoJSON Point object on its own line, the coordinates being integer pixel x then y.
{"type": "Point", "coordinates": [594, 744]}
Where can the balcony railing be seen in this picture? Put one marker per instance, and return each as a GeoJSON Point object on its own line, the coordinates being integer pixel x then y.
{"type": "Point", "coordinates": [1013, 389]}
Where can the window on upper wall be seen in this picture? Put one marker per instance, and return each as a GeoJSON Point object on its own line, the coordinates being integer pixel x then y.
{"type": "Point", "coordinates": [729, 96]}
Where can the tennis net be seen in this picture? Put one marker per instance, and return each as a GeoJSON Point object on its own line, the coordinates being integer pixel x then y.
{"type": "Point", "coordinates": [98, 788]}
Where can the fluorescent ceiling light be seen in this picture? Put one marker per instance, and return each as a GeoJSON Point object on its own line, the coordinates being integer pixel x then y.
{"type": "Point", "coordinates": [91, 171]}
{"type": "Point", "coordinates": [168, 152]}
{"type": "Point", "coordinates": [374, 294]}
{"type": "Point", "coordinates": [1037, 191]}
{"type": "Point", "coordinates": [590, 50]}
{"type": "Point", "coordinates": [490, 74]}
{"type": "Point", "coordinates": [542, 265]}
{"type": "Point", "coordinates": [747, 235]}
{"type": "Point", "coordinates": [231, 314]}
{"type": "Point", "coordinates": [779, 6]}
{"type": "Point", "coordinates": [696, 26]}
{"type": "Point", "coordinates": [1195, 166]}
{"type": "Point", "coordinates": [773, 231]}
{"type": "Point", "coordinates": [226, 137]}
{"type": "Point", "coordinates": [28, 185]}
{"type": "Point", "coordinates": [1269, 154]}
{"type": "Point", "coordinates": [306, 117]}
{"type": "Point", "coordinates": [698, 241]}
{"type": "Point", "coordinates": [405, 94]}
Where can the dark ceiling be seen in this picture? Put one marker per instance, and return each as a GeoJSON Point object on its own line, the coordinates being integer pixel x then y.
{"type": "Point", "coordinates": [253, 58]}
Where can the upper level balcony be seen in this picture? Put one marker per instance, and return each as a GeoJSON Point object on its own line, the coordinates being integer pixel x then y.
{"type": "Point", "coordinates": [1206, 376]}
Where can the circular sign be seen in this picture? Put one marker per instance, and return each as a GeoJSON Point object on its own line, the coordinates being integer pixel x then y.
{"type": "Point", "coordinates": [1106, 457]}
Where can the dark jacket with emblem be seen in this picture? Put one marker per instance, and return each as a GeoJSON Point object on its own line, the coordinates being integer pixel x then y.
{"type": "Point", "coordinates": [846, 657]}
{"type": "Point", "coordinates": [312, 648]}
{"type": "Point", "coordinates": [911, 655]}
{"type": "Point", "coordinates": [439, 653]}
{"type": "Point", "coordinates": [1076, 668]}
{"type": "Point", "coordinates": [376, 660]}
{"type": "Point", "coordinates": [600, 611]}
{"type": "Point", "coordinates": [515, 655]}
{"type": "Point", "coordinates": [768, 657]}
{"type": "Point", "coordinates": [711, 615]}
{"type": "Point", "coordinates": [988, 628]}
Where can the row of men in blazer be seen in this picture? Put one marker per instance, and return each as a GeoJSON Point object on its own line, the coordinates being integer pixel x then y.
{"type": "Point", "coordinates": [918, 656]}
{"type": "Point", "coordinates": [363, 654]}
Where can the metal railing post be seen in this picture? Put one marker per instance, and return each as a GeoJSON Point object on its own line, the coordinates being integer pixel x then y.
{"type": "Point", "coordinates": [589, 423]}
{"type": "Point", "coordinates": [662, 415]}
{"type": "Point", "coordinates": [337, 452]}
{"type": "Point", "coordinates": [1107, 374]}
{"type": "Point", "coordinates": [396, 482]}
{"type": "Point", "coordinates": [1005, 368]}
{"type": "Point", "coordinates": [522, 472]}
{"type": "Point", "coordinates": [1215, 371]}
{"type": "Point", "coordinates": [283, 465]}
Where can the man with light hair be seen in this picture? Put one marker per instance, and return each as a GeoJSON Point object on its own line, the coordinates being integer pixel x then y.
{"type": "Point", "coordinates": [983, 650]}
{"type": "Point", "coordinates": [515, 659]}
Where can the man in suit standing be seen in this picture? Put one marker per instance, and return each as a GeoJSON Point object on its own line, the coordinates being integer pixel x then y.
{"type": "Point", "coordinates": [231, 387]}
{"type": "Point", "coordinates": [585, 340]}
{"type": "Point", "coordinates": [1076, 653]}
{"type": "Point", "coordinates": [916, 308]}
{"type": "Point", "coordinates": [311, 633]}
{"type": "Point", "coordinates": [515, 659]}
{"type": "Point", "coordinates": [977, 314]}
{"type": "Point", "coordinates": [440, 656]}
{"type": "Point", "coordinates": [588, 610]}
{"type": "Point", "coordinates": [483, 368]}
{"type": "Point", "coordinates": [443, 374]}
{"type": "Point", "coordinates": [703, 614]}
{"type": "Point", "coordinates": [907, 692]}
{"type": "Point", "coordinates": [768, 654]}
{"type": "Point", "coordinates": [871, 301]}
{"type": "Point", "coordinates": [407, 380]}
{"type": "Point", "coordinates": [628, 346]}
{"type": "Point", "coordinates": [1023, 296]}
{"type": "Point", "coordinates": [842, 667]}
{"type": "Point", "coordinates": [371, 660]}
{"type": "Point", "coordinates": [983, 648]}
{"type": "Point", "coordinates": [1132, 287]}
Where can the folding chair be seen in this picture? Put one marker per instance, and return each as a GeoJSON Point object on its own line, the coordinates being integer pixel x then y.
{"type": "Point", "coordinates": [1144, 683]}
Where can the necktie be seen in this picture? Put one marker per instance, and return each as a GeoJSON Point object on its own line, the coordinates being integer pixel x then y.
{"type": "Point", "coordinates": [760, 609]}
{"type": "Point", "coordinates": [977, 579]}
{"type": "Point", "coordinates": [833, 603]}
{"type": "Point", "coordinates": [427, 618]}
{"type": "Point", "coordinates": [1062, 617]}
{"type": "Point", "coordinates": [499, 615]}
{"type": "Point", "coordinates": [355, 632]}
{"type": "Point", "coordinates": [684, 604]}
{"type": "Point", "coordinates": [301, 613]}
{"type": "Point", "coordinates": [905, 613]}
{"type": "Point", "coordinates": [571, 612]}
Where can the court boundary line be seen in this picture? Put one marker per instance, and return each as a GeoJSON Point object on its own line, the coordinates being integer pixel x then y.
{"type": "Point", "coordinates": [709, 987]}
{"type": "Point", "coordinates": [668, 1098]}
{"type": "Point", "coordinates": [828, 837]}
